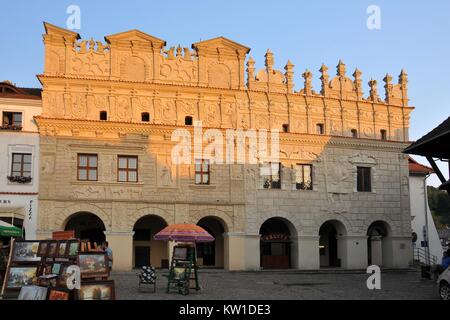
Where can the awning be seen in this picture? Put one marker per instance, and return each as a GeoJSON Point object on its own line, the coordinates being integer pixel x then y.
{"type": "Point", "coordinates": [8, 230]}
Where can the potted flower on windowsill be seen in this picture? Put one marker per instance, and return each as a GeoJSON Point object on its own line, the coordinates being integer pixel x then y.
{"type": "Point", "coordinates": [19, 179]}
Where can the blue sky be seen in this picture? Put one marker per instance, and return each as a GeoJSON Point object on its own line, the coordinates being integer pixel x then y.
{"type": "Point", "coordinates": [309, 33]}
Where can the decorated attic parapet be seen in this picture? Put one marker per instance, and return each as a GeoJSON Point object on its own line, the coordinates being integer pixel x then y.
{"type": "Point", "coordinates": [217, 63]}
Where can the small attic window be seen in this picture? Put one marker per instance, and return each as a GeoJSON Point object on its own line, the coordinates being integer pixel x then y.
{"type": "Point", "coordinates": [188, 121]}
{"type": "Point", "coordinates": [103, 115]}
{"type": "Point", "coordinates": [145, 117]}
{"type": "Point", "coordinates": [285, 128]}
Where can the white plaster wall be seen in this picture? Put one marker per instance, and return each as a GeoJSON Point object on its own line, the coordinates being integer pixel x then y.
{"type": "Point", "coordinates": [22, 198]}
{"type": "Point", "coordinates": [418, 205]}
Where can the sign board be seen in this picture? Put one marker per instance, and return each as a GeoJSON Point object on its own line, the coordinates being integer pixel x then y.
{"type": "Point", "coordinates": [63, 235]}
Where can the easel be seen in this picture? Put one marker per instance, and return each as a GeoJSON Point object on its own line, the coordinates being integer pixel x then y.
{"type": "Point", "coordinates": [188, 267]}
{"type": "Point", "coordinates": [11, 245]}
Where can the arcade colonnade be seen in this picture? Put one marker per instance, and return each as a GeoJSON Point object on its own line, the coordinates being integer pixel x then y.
{"type": "Point", "coordinates": [278, 245]}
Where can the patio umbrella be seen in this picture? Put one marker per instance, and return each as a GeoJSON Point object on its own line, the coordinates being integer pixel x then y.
{"type": "Point", "coordinates": [8, 230]}
{"type": "Point", "coordinates": [184, 232]}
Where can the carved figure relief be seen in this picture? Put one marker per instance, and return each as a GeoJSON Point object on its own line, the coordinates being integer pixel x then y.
{"type": "Point", "coordinates": [90, 58]}
{"type": "Point", "coordinates": [166, 172]}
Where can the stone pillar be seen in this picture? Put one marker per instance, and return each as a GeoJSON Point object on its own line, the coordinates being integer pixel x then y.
{"type": "Point", "coordinates": [308, 252]}
{"type": "Point", "coordinates": [355, 252]}
{"type": "Point", "coordinates": [376, 246]}
{"type": "Point", "coordinates": [252, 252]}
{"type": "Point", "coordinates": [234, 251]}
{"type": "Point", "coordinates": [397, 251]}
{"type": "Point", "coordinates": [121, 244]}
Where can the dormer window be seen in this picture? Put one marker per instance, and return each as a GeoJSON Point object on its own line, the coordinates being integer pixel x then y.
{"type": "Point", "coordinates": [12, 120]}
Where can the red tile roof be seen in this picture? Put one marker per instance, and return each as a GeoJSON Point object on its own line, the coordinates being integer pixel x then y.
{"type": "Point", "coordinates": [417, 168]}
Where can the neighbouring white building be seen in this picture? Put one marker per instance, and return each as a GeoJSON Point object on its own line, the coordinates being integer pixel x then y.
{"type": "Point", "coordinates": [418, 174]}
{"type": "Point", "coordinates": [19, 152]}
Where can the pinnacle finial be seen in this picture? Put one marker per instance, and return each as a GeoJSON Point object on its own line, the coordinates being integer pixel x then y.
{"type": "Point", "coordinates": [341, 69]}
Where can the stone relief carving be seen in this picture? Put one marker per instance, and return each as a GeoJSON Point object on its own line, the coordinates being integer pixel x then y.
{"type": "Point", "coordinates": [89, 192]}
{"type": "Point", "coordinates": [339, 176]}
{"type": "Point", "coordinates": [90, 58]}
{"type": "Point", "coordinates": [236, 172]}
{"type": "Point", "coordinates": [119, 193]}
{"type": "Point", "coordinates": [334, 204]}
{"type": "Point", "coordinates": [123, 111]}
{"type": "Point", "coordinates": [48, 164]}
{"type": "Point", "coordinates": [166, 172]}
{"type": "Point", "coordinates": [362, 158]}
{"type": "Point", "coordinates": [77, 105]}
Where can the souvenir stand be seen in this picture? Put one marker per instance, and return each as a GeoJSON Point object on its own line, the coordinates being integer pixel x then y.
{"type": "Point", "coordinates": [37, 270]}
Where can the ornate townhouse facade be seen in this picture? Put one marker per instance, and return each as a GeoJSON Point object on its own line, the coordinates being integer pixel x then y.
{"type": "Point", "coordinates": [338, 197]}
{"type": "Point", "coordinates": [19, 157]}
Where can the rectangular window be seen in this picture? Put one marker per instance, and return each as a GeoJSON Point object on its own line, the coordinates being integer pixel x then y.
{"type": "Point", "coordinates": [87, 167]}
{"type": "Point", "coordinates": [202, 171]}
{"type": "Point", "coordinates": [21, 165]}
{"type": "Point", "coordinates": [364, 180]}
{"type": "Point", "coordinates": [12, 120]}
{"type": "Point", "coordinates": [127, 169]}
{"type": "Point", "coordinates": [383, 134]}
{"type": "Point", "coordinates": [272, 178]}
{"type": "Point", "coordinates": [320, 128]}
{"type": "Point", "coordinates": [303, 177]}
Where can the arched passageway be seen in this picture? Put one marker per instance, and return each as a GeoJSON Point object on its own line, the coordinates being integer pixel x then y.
{"type": "Point", "coordinates": [87, 226]}
{"type": "Point", "coordinates": [146, 250]}
{"type": "Point", "coordinates": [331, 244]}
{"type": "Point", "coordinates": [211, 254]}
{"type": "Point", "coordinates": [276, 246]}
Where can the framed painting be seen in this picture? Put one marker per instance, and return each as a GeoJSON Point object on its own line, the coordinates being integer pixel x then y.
{"type": "Point", "coordinates": [43, 248]}
{"type": "Point", "coordinates": [62, 249]}
{"type": "Point", "coordinates": [52, 249]}
{"type": "Point", "coordinates": [93, 265]}
{"type": "Point", "coordinates": [33, 293]}
{"type": "Point", "coordinates": [180, 253]}
{"type": "Point", "coordinates": [73, 246]}
{"type": "Point", "coordinates": [97, 290]}
{"type": "Point", "coordinates": [25, 252]}
{"type": "Point", "coordinates": [19, 276]}
{"type": "Point", "coordinates": [57, 268]}
{"type": "Point", "coordinates": [58, 294]}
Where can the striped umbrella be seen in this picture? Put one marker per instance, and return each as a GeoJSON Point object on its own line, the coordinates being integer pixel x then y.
{"type": "Point", "coordinates": [184, 232]}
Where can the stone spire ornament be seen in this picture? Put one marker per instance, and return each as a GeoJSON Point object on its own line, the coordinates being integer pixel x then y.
{"type": "Point", "coordinates": [269, 61]}
{"type": "Point", "coordinates": [358, 83]}
{"type": "Point", "coordinates": [403, 82]}
{"type": "Point", "coordinates": [341, 69]}
{"type": "Point", "coordinates": [325, 78]}
{"type": "Point", "coordinates": [250, 71]}
{"type": "Point", "coordinates": [289, 76]}
{"type": "Point", "coordinates": [388, 87]}
{"type": "Point", "coordinates": [307, 75]}
{"type": "Point", "coordinates": [373, 84]}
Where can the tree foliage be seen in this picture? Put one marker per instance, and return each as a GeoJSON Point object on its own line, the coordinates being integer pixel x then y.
{"type": "Point", "coordinates": [439, 203]}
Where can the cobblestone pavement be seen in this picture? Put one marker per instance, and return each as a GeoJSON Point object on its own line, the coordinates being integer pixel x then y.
{"type": "Point", "coordinates": [284, 285]}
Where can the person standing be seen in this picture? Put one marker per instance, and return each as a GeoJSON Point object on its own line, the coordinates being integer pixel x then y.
{"type": "Point", "coordinates": [109, 252]}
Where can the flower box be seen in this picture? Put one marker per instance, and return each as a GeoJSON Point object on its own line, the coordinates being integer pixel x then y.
{"type": "Point", "coordinates": [19, 179]}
